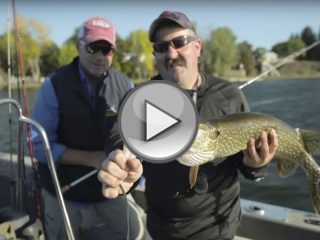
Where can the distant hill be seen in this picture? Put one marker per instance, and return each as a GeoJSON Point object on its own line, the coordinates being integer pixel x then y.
{"type": "Point", "coordinates": [300, 69]}
{"type": "Point", "coordinates": [291, 70]}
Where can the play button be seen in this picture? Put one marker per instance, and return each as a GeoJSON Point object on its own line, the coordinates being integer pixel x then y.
{"type": "Point", "coordinates": [158, 121]}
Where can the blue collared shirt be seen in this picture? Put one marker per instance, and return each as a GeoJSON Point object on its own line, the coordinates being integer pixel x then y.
{"type": "Point", "coordinates": [91, 88]}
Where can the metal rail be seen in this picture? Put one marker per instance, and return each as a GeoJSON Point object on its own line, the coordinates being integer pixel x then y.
{"type": "Point", "coordinates": [51, 165]}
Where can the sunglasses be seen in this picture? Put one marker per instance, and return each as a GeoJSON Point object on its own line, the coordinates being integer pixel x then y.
{"type": "Point", "coordinates": [178, 42]}
{"type": "Point", "coordinates": [93, 48]}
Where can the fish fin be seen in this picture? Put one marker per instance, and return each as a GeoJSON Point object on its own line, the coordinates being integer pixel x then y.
{"type": "Point", "coordinates": [311, 139]}
{"type": "Point", "coordinates": [285, 168]}
{"type": "Point", "coordinates": [193, 174]}
{"type": "Point", "coordinates": [315, 196]}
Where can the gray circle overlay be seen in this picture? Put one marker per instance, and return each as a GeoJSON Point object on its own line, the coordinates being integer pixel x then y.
{"type": "Point", "coordinates": [171, 143]}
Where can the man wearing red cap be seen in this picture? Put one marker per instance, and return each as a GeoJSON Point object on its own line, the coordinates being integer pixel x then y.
{"type": "Point", "coordinates": [77, 106]}
{"type": "Point", "coordinates": [211, 208]}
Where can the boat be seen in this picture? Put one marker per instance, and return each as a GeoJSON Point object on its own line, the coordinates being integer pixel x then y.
{"type": "Point", "coordinates": [263, 221]}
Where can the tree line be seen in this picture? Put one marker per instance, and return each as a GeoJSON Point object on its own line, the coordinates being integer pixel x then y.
{"type": "Point", "coordinates": [134, 54]}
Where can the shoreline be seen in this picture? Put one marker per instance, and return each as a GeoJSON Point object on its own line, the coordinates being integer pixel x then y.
{"type": "Point", "coordinates": [313, 77]}
{"type": "Point", "coordinates": [295, 77]}
{"type": "Point", "coordinates": [36, 85]}
{"type": "Point", "coordinates": [28, 85]}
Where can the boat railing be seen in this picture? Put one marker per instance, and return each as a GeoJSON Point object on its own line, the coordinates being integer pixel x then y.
{"type": "Point", "coordinates": [21, 173]}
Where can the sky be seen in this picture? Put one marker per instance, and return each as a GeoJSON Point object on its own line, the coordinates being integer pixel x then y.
{"type": "Point", "coordinates": [262, 23]}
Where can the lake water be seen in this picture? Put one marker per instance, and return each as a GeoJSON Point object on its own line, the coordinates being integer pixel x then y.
{"type": "Point", "coordinates": [293, 101]}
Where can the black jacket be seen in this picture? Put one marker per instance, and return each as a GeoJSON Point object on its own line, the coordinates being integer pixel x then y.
{"type": "Point", "coordinates": [177, 212]}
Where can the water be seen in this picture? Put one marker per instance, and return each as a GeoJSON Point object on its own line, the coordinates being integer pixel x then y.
{"type": "Point", "coordinates": [7, 141]}
{"type": "Point", "coordinates": [294, 101]}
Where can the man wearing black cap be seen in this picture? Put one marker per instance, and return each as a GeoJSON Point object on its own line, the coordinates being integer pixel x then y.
{"type": "Point", "coordinates": [77, 106]}
{"type": "Point", "coordinates": [210, 209]}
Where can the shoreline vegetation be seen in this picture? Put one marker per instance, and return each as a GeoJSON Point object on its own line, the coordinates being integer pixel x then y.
{"type": "Point", "coordinates": [35, 85]}
{"type": "Point", "coordinates": [303, 70]}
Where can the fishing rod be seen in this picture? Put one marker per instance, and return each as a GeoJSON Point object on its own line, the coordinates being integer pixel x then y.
{"type": "Point", "coordinates": [79, 180]}
{"type": "Point", "coordinates": [67, 187]}
{"type": "Point", "coordinates": [284, 61]}
{"type": "Point", "coordinates": [9, 87]}
{"type": "Point", "coordinates": [20, 193]}
{"type": "Point", "coordinates": [21, 164]}
{"type": "Point", "coordinates": [49, 157]}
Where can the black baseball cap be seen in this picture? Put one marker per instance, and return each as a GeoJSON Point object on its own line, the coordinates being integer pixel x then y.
{"type": "Point", "coordinates": [169, 16]}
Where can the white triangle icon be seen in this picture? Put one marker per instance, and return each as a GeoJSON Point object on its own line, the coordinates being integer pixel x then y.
{"type": "Point", "coordinates": [157, 120]}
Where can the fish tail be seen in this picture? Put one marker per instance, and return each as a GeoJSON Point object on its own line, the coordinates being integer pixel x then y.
{"type": "Point", "coordinates": [315, 196]}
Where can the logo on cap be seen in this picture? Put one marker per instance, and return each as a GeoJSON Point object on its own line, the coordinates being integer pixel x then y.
{"type": "Point", "coordinates": [100, 23]}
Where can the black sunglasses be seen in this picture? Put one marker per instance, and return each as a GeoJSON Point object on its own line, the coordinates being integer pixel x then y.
{"type": "Point", "coordinates": [93, 48]}
{"type": "Point", "coordinates": [178, 42]}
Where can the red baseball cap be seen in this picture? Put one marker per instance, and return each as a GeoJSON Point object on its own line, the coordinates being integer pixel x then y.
{"type": "Point", "coordinates": [97, 28]}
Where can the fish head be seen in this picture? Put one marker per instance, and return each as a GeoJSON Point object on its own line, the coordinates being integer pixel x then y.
{"type": "Point", "coordinates": [204, 147]}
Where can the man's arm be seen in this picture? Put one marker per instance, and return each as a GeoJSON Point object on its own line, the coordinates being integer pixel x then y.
{"type": "Point", "coordinates": [46, 112]}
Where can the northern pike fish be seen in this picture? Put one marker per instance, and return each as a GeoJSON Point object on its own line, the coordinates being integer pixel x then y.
{"type": "Point", "coordinates": [229, 134]}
